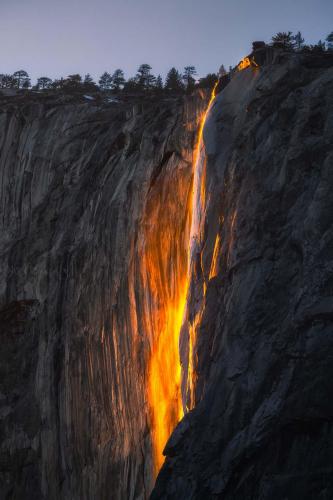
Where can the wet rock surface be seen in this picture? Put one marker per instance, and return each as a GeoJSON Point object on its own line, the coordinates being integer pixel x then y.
{"type": "Point", "coordinates": [78, 181]}
{"type": "Point", "coordinates": [262, 425]}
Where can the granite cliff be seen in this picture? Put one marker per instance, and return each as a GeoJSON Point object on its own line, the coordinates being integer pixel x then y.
{"type": "Point", "coordinates": [261, 427]}
{"type": "Point", "coordinates": [86, 192]}
{"type": "Point", "coordinates": [97, 259]}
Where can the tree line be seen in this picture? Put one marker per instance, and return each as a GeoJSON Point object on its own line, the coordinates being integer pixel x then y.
{"type": "Point", "coordinates": [143, 81]}
{"type": "Point", "coordinates": [288, 41]}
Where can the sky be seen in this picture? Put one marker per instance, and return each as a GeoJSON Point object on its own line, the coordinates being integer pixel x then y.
{"type": "Point", "coordinates": [60, 37]}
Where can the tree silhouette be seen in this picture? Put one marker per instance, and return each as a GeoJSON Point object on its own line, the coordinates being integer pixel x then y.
{"type": "Point", "coordinates": [173, 81]}
{"type": "Point", "coordinates": [159, 83]}
{"type": "Point", "coordinates": [132, 85]}
{"type": "Point", "coordinates": [208, 81]}
{"type": "Point", "coordinates": [44, 83]}
{"type": "Point", "coordinates": [298, 40]}
{"type": "Point", "coordinates": [283, 40]}
{"type": "Point", "coordinates": [222, 71]}
{"type": "Point", "coordinates": [320, 47]}
{"type": "Point", "coordinates": [105, 81]}
{"type": "Point", "coordinates": [329, 40]}
{"type": "Point", "coordinates": [74, 80]}
{"type": "Point", "coordinates": [26, 84]}
{"type": "Point", "coordinates": [7, 82]}
{"type": "Point", "coordinates": [144, 78]}
{"type": "Point", "coordinates": [58, 84]}
{"type": "Point", "coordinates": [189, 72]}
{"type": "Point", "coordinates": [88, 79]}
{"type": "Point", "coordinates": [88, 84]}
{"type": "Point", "coordinates": [20, 78]}
{"type": "Point", "coordinates": [118, 79]}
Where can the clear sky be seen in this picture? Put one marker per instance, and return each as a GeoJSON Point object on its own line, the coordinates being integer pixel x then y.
{"type": "Point", "coordinates": [59, 37]}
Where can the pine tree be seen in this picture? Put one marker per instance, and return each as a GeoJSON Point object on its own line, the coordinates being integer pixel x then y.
{"type": "Point", "coordinates": [26, 84]}
{"type": "Point", "coordinates": [189, 72]}
{"type": "Point", "coordinates": [320, 47]}
{"type": "Point", "coordinates": [173, 81]}
{"type": "Point", "coordinates": [208, 81]}
{"type": "Point", "coordinates": [223, 71]}
{"type": "Point", "coordinates": [131, 85]}
{"type": "Point", "coordinates": [74, 80]}
{"type": "Point", "coordinates": [298, 40]}
{"type": "Point", "coordinates": [88, 79]}
{"type": "Point", "coordinates": [88, 84]}
{"type": "Point", "coordinates": [118, 79]}
{"type": "Point", "coordinates": [44, 83]}
{"type": "Point", "coordinates": [144, 78]}
{"type": "Point", "coordinates": [105, 81]}
{"type": "Point", "coordinates": [58, 84]}
{"type": "Point", "coordinates": [159, 83]}
{"type": "Point", "coordinates": [329, 40]}
{"type": "Point", "coordinates": [7, 82]}
{"type": "Point", "coordinates": [283, 40]}
{"type": "Point", "coordinates": [20, 78]}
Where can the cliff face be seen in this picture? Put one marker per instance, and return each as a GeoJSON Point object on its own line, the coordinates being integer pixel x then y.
{"type": "Point", "coordinates": [262, 423]}
{"type": "Point", "coordinates": [105, 242]}
{"type": "Point", "coordinates": [85, 190]}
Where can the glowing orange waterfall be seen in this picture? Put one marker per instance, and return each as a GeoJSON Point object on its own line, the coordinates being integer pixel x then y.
{"type": "Point", "coordinates": [164, 380]}
{"type": "Point", "coordinates": [198, 208]}
{"type": "Point", "coordinates": [165, 247]}
{"type": "Point", "coordinates": [164, 264]}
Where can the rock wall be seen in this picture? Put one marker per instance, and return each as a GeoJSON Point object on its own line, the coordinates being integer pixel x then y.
{"type": "Point", "coordinates": [95, 225]}
{"type": "Point", "coordinates": [83, 188]}
{"type": "Point", "coordinates": [262, 423]}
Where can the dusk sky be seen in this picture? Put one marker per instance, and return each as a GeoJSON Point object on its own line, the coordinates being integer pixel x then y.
{"type": "Point", "coordinates": [79, 36]}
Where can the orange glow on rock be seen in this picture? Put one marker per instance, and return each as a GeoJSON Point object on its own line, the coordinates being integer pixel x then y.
{"type": "Point", "coordinates": [163, 267]}
{"type": "Point", "coordinates": [164, 381]}
{"type": "Point", "coordinates": [166, 271]}
{"type": "Point", "coordinates": [214, 267]}
{"type": "Point", "coordinates": [246, 63]}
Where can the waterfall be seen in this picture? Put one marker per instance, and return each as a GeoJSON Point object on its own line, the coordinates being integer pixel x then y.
{"type": "Point", "coordinates": [194, 302]}
{"type": "Point", "coordinates": [171, 241]}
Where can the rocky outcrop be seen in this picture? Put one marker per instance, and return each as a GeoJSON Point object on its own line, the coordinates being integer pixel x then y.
{"type": "Point", "coordinates": [262, 426]}
{"type": "Point", "coordinates": [82, 185]}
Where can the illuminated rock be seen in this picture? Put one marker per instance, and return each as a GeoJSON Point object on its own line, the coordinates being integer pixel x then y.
{"type": "Point", "coordinates": [261, 426]}
{"type": "Point", "coordinates": [94, 231]}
